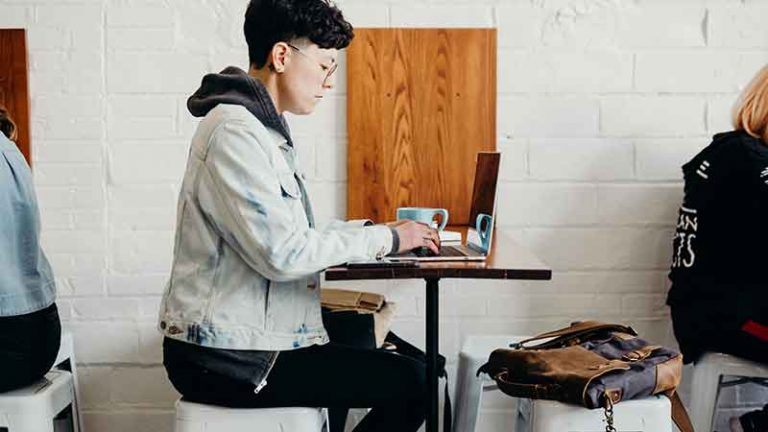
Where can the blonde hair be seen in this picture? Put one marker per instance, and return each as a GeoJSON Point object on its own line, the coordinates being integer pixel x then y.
{"type": "Point", "coordinates": [7, 126]}
{"type": "Point", "coordinates": [751, 111]}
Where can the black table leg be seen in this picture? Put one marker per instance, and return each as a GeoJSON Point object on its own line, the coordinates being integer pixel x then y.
{"type": "Point", "coordinates": [432, 351]}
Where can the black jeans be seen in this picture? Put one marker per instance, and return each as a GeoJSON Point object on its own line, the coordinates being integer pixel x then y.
{"type": "Point", "coordinates": [29, 345]}
{"type": "Point", "coordinates": [332, 376]}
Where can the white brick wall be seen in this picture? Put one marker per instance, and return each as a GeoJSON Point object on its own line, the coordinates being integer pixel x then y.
{"type": "Point", "coordinates": [600, 102]}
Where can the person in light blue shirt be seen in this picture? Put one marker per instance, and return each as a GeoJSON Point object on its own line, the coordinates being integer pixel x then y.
{"type": "Point", "coordinates": [30, 330]}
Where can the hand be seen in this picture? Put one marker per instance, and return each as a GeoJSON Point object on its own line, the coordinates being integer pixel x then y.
{"type": "Point", "coordinates": [415, 234]}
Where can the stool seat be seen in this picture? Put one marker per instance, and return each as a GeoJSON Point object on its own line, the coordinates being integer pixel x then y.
{"type": "Point", "coordinates": [33, 408]}
{"type": "Point", "coordinates": [469, 387]}
{"type": "Point", "coordinates": [195, 417]}
{"type": "Point", "coordinates": [651, 414]}
{"type": "Point", "coordinates": [708, 374]}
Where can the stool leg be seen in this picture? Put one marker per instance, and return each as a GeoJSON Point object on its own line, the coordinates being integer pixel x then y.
{"type": "Point", "coordinates": [469, 389]}
{"type": "Point", "coordinates": [705, 390]}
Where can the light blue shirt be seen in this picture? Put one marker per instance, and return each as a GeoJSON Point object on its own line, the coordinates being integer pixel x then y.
{"type": "Point", "coordinates": [26, 280]}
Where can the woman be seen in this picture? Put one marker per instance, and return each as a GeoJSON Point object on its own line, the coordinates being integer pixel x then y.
{"type": "Point", "coordinates": [242, 305]}
{"type": "Point", "coordinates": [719, 293]}
{"type": "Point", "coordinates": [30, 331]}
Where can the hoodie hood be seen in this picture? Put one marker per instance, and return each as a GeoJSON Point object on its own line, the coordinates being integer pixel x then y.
{"type": "Point", "coordinates": [235, 87]}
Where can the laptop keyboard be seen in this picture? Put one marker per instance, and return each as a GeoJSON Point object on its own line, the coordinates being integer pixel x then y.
{"type": "Point", "coordinates": [445, 251]}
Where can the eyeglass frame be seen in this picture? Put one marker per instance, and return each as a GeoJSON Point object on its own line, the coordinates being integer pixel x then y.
{"type": "Point", "coordinates": [330, 69]}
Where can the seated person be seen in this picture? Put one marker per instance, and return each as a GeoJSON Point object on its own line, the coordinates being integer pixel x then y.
{"type": "Point", "coordinates": [241, 313]}
{"type": "Point", "coordinates": [30, 331]}
{"type": "Point", "coordinates": [719, 292]}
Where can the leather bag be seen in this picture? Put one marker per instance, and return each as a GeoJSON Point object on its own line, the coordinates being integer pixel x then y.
{"type": "Point", "coordinates": [592, 364]}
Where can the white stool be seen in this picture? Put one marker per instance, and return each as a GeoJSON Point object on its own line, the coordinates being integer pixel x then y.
{"type": "Point", "coordinates": [194, 417]}
{"type": "Point", "coordinates": [33, 408]}
{"type": "Point", "coordinates": [65, 360]}
{"type": "Point", "coordinates": [652, 414]}
{"type": "Point", "coordinates": [707, 380]}
{"type": "Point", "coordinates": [469, 387]}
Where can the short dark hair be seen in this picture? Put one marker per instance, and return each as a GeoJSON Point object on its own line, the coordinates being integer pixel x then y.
{"type": "Point", "coordinates": [270, 21]}
{"type": "Point", "coordinates": [7, 126]}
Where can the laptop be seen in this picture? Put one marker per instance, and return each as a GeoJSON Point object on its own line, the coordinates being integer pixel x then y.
{"type": "Point", "coordinates": [483, 202]}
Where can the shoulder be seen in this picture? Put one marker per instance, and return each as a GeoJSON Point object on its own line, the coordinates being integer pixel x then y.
{"type": "Point", "coordinates": [229, 123]}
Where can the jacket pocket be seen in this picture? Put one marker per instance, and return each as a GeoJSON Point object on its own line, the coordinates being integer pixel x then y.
{"type": "Point", "coordinates": [289, 186]}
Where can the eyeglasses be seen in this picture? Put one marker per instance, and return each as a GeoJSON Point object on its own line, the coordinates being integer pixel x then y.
{"type": "Point", "coordinates": [329, 70]}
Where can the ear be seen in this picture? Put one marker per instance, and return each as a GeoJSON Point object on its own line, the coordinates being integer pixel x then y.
{"type": "Point", "coordinates": [278, 57]}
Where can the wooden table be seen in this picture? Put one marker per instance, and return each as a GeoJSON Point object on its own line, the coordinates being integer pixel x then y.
{"type": "Point", "coordinates": [507, 260]}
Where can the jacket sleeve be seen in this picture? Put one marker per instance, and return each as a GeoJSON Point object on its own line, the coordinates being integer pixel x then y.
{"type": "Point", "coordinates": [241, 192]}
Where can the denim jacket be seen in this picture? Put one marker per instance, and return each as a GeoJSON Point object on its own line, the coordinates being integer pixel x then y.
{"type": "Point", "coordinates": [245, 272]}
{"type": "Point", "coordinates": [26, 280]}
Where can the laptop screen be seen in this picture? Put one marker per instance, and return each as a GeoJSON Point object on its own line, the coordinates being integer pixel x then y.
{"type": "Point", "coordinates": [484, 190]}
{"type": "Point", "coordinates": [484, 194]}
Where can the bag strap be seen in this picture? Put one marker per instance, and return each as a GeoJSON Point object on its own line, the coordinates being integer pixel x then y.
{"type": "Point", "coordinates": [576, 329]}
{"type": "Point", "coordinates": [679, 414]}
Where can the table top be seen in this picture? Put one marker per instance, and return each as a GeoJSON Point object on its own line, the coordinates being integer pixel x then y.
{"type": "Point", "coordinates": [508, 260]}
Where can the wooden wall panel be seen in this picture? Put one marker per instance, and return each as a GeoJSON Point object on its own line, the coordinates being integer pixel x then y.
{"type": "Point", "coordinates": [421, 103]}
{"type": "Point", "coordinates": [14, 92]}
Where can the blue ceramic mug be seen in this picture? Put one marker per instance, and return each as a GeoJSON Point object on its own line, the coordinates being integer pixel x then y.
{"type": "Point", "coordinates": [424, 215]}
{"type": "Point", "coordinates": [483, 228]}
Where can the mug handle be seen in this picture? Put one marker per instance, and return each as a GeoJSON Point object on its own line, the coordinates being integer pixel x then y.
{"type": "Point", "coordinates": [444, 214]}
{"type": "Point", "coordinates": [483, 233]}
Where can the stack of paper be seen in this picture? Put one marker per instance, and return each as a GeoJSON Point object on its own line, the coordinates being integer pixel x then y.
{"type": "Point", "coordinates": [450, 238]}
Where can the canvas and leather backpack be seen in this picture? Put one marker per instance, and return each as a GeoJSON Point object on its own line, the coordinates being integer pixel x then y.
{"type": "Point", "coordinates": [592, 364]}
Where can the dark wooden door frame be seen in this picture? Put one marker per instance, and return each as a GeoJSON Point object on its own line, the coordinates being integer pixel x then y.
{"type": "Point", "coordinates": [14, 88]}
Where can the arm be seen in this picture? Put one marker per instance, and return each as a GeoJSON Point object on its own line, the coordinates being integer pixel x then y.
{"type": "Point", "coordinates": [241, 191]}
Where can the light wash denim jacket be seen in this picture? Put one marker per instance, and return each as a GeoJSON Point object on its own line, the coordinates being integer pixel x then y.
{"type": "Point", "coordinates": [26, 280]}
{"type": "Point", "coordinates": [245, 272]}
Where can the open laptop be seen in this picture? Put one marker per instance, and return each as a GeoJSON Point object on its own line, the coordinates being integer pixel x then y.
{"type": "Point", "coordinates": [483, 201]}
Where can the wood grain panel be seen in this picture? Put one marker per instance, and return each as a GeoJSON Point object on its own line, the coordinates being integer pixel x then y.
{"type": "Point", "coordinates": [14, 92]}
{"type": "Point", "coordinates": [421, 104]}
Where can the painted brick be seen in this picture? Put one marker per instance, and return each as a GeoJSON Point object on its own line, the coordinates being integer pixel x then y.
{"type": "Point", "coordinates": [105, 309]}
{"type": "Point", "coordinates": [48, 38]}
{"type": "Point", "coordinates": [652, 116]}
{"type": "Point", "coordinates": [546, 204]}
{"type": "Point", "coordinates": [161, 39]}
{"type": "Point", "coordinates": [720, 113]}
{"type": "Point", "coordinates": [368, 15]}
{"type": "Point", "coordinates": [611, 248]}
{"type": "Point", "coordinates": [132, 72]}
{"type": "Point", "coordinates": [142, 252]}
{"type": "Point", "coordinates": [69, 16]}
{"type": "Point", "coordinates": [148, 15]}
{"type": "Point", "coordinates": [649, 26]}
{"type": "Point", "coordinates": [142, 386]}
{"type": "Point", "coordinates": [638, 204]}
{"type": "Point", "coordinates": [514, 158]}
{"type": "Point", "coordinates": [696, 72]}
{"type": "Point", "coordinates": [583, 24]}
{"type": "Point", "coordinates": [130, 197]}
{"type": "Point", "coordinates": [445, 16]}
{"type": "Point", "coordinates": [738, 26]}
{"type": "Point", "coordinates": [662, 159]}
{"type": "Point", "coordinates": [135, 285]}
{"type": "Point", "coordinates": [565, 71]}
{"type": "Point", "coordinates": [331, 155]}
{"type": "Point", "coordinates": [581, 159]}
{"type": "Point", "coordinates": [519, 25]}
{"type": "Point", "coordinates": [166, 163]}
{"type": "Point", "coordinates": [56, 174]}
{"type": "Point", "coordinates": [105, 342]}
{"type": "Point", "coordinates": [68, 152]}
{"type": "Point", "coordinates": [15, 16]}
{"type": "Point", "coordinates": [548, 116]}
